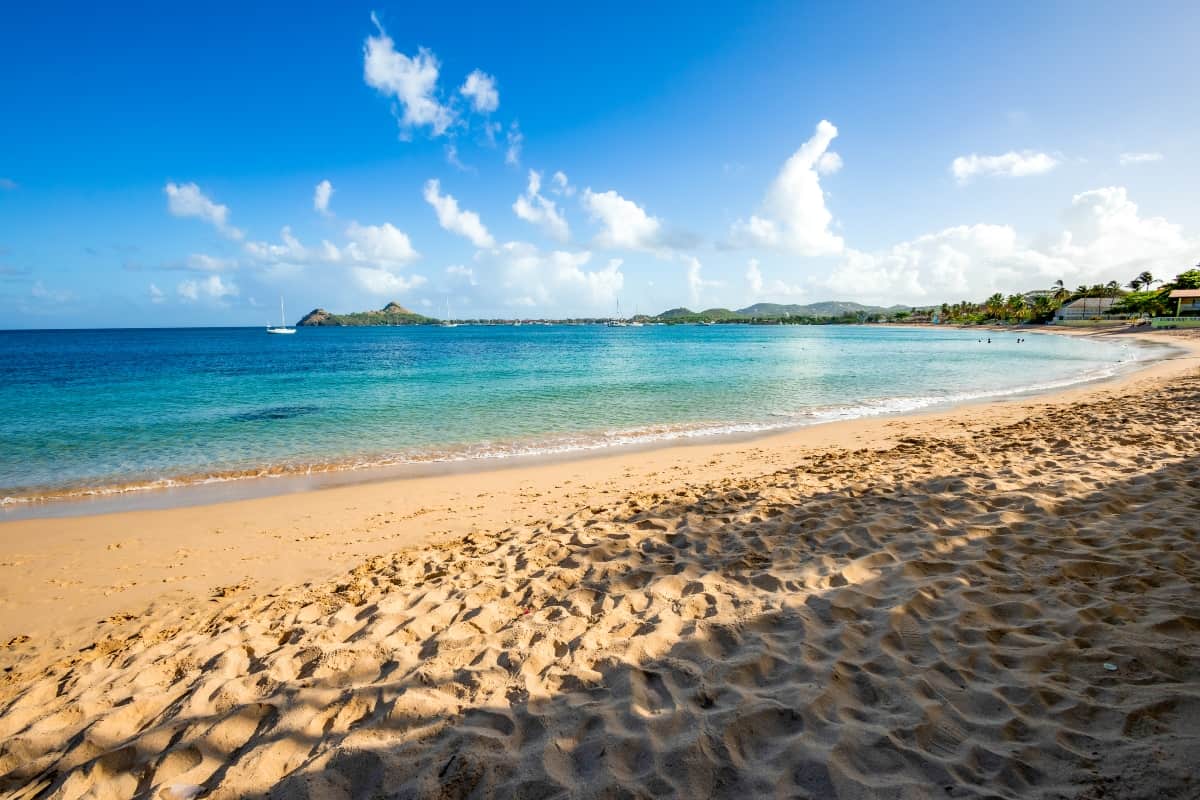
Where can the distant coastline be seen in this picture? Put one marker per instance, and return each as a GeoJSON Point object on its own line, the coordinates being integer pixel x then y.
{"type": "Point", "coordinates": [1103, 303]}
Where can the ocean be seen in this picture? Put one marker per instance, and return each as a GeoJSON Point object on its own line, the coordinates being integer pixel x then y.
{"type": "Point", "coordinates": [95, 412]}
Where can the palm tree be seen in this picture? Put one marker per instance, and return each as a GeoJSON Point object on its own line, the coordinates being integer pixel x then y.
{"type": "Point", "coordinates": [1146, 279]}
{"type": "Point", "coordinates": [994, 305]}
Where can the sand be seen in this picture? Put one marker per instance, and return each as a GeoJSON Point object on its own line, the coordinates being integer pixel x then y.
{"type": "Point", "coordinates": [1002, 600]}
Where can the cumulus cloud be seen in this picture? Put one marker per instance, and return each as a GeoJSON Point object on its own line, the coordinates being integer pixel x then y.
{"type": "Point", "coordinates": [535, 208]}
{"type": "Point", "coordinates": [1104, 237]}
{"type": "Point", "coordinates": [624, 224]}
{"type": "Point", "coordinates": [321, 196]}
{"type": "Point", "coordinates": [410, 80]}
{"type": "Point", "coordinates": [211, 287]}
{"type": "Point", "coordinates": [1139, 158]}
{"type": "Point", "coordinates": [382, 246]}
{"type": "Point", "coordinates": [454, 219]}
{"type": "Point", "coordinates": [156, 294]}
{"type": "Point", "coordinates": [383, 282]}
{"type": "Point", "coordinates": [186, 200]}
{"type": "Point", "coordinates": [480, 89]}
{"type": "Point", "coordinates": [1009, 165]}
{"type": "Point", "coordinates": [793, 215]}
{"type": "Point", "coordinates": [559, 279]}
{"type": "Point", "coordinates": [289, 250]}
{"type": "Point", "coordinates": [515, 139]}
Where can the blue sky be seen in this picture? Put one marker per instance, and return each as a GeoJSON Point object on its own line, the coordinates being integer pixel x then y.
{"type": "Point", "coordinates": [159, 167]}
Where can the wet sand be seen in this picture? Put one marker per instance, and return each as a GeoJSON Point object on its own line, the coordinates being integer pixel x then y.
{"type": "Point", "coordinates": [895, 607]}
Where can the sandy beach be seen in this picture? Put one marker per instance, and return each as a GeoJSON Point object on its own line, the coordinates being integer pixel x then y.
{"type": "Point", "coordinates": [999, 600]}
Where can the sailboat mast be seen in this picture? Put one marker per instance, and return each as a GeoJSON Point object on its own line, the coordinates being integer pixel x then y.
{"type": "Point", "coordinates": [282, 316]}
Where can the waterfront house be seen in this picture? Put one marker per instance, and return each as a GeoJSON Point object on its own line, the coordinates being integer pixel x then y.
{"type": "Point", "coordinates": [1084, 308]}
{"type": "Point", "coordinates": [1187, 302]}
{"type": "Point", "coordinates": [1187, 310]}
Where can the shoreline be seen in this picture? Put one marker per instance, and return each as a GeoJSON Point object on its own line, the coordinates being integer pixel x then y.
{"type": "Point", "coordinates": [996, 600]}
{"type": "Point", "coordinates": [273, 480]}
{"type": "Point", "coordinates": [76, 570]}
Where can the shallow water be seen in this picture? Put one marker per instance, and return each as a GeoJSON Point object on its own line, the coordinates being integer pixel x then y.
{"type": "Point", "coordinates": [85, 412]}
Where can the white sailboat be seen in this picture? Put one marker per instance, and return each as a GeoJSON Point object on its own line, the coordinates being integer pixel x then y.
{"type": "Point", "coordinates": [283, 328]}
{"type": "Point", "coordinates": [617, 322]}
{"type": "Point", "coordinates": [448, 323]}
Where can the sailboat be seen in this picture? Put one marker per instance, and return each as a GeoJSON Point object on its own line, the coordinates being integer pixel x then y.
{"type": "Point", "coordinates": [635, 322]}
{"type": "Point", "coordinates": [449, 323]}
{"type": "Point", "coordinates": [617, 322]}
{"type": "Point", "coordinates": [283, 328]}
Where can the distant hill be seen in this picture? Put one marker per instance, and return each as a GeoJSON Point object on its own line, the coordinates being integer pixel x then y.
{"type": "Point", "coordinates": [391, 314]}
{"type": "Point", "coordinates": [828, 308]}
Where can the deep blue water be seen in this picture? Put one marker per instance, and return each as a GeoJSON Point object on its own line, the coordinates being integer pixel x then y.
{"type": "Point", "coordinates": [98, 409]}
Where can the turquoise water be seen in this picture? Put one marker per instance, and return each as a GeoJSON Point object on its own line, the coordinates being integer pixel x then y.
{"type": "Point", "coordinates": [86, 412]}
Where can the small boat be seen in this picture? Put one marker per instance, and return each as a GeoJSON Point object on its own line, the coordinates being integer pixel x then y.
{"type": "Point", "coordinates": [283, 328]}
{"type": "Point", "coordinates": [617, 322]}
{"type": "Point", "coordinates": [449, 323]}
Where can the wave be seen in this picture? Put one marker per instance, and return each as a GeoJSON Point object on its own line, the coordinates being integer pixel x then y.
{"type": "Point", "coordinates": [564, 444]}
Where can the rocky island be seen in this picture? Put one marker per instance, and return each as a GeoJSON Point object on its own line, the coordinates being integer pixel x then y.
{"type": "Point", "coordinates": [391, 314]}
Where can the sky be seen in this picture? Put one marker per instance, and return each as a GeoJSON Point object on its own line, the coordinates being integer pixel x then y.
{"type": "Point", "coordinates": [190, 166]}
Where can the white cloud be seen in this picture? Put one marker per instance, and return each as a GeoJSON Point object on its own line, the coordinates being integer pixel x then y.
{"type": "Point", "coordinates": [453, 160]}
{"type": "Point", "coordinates": [206, 263]}
{"type": "Point", "coordinates": [625, 224]}
{"type": "Point", "coordinates": [696, 283]}
{"type": "Point", "coordinates": [1104, 238]}
{"type": "Point", "coordinates": [1009, 165]}
{"type": "Point", "coordinates": [480, 89]}
{"type": "Point", "coordinates": [561, 185]}
{"type": "Point", "coordinates": [156, 294]}
{"type": "Point", "coordinates": [186, 200]}
{"type": "Point", "coordinates": [458, 271]}
{"type": "Point", "coordinates": [516, 140]}
{"type": "Point", "coordinates": [539, 210]}
{"type": "Point", "coordinates": [288, 251]}
{"type": "Point", "coordinates": [211, 287]}
{"type": "Point", "coordinates": [454, 219]}
{"type": "Point", "coordinates": [1139, 158]}
{"type": "Point", "coordinates": [321, 196]}
{"type": "Point", "coordinates": [754, 277]}
{"type": "Point", "coordinates": [794, 216]}
{"type": "Point", "coordinates": [379, 245]}
{"type": "Point", "coordinates": [382, 282]}
{"type": "Point", "coordinates": [411, 80]}
{"type": "Point", "coordinates": [829, 163]}
{"type": "Point", "coordinates": [761, 288]}
{"type": "Point", "coordinates": [529, 278]}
